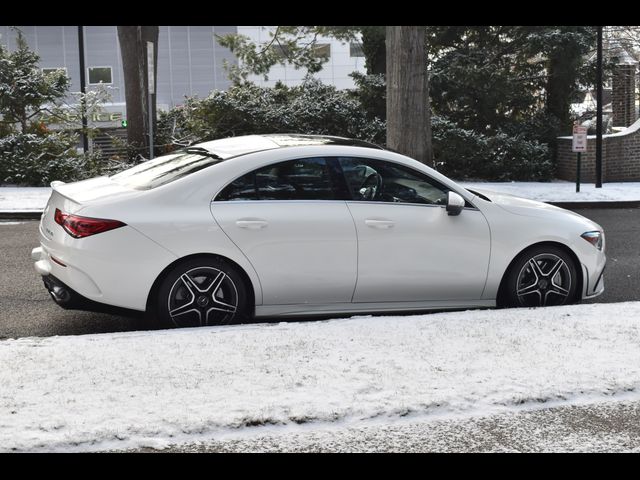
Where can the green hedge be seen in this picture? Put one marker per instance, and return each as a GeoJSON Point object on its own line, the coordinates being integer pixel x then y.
{"type": "Point", "coordinates": [468, 155]}
{"type": "Point", "coordinates": [315, 108]}
{"type": "Point", "coordinates": [311, 108]}
{"type": "Point", "coordinates": [36, 160]}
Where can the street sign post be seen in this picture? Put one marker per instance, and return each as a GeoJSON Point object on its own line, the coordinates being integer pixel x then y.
{"type": "Point", "coordinates": [579, 145]}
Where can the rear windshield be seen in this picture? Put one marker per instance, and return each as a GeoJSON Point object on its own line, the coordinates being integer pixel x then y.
{"type": "Point", "coordinates": [163, 170]}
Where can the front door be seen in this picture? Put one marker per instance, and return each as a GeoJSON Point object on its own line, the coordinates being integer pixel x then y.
{"type": "Point", "coordinates": [409, 248]}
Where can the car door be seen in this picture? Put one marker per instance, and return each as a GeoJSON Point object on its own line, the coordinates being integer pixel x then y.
{"type": "Point", "coordinates": [291, 221]}
{"type": "Point", "coordinates": [409, 248]}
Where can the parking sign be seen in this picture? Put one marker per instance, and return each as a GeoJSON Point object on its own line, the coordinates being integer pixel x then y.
{"type": "Point", "coordinates": [579, 139]}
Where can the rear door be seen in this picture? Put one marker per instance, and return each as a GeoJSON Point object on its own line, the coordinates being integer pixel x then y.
{"type": "Point", "coordinates": [292, 223]}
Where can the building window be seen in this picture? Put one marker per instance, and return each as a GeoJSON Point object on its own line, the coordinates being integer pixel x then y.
{"type": "Point", "coordinates": [282, 51]}
{"type": "Point", "coordinates": [322, 50]}
{"type": "Point", "coordinates": [355, 49]}
{"type": "Point", "coordinates": [47, 71]}
{"type": "Point", "coordinates": [99, 75]}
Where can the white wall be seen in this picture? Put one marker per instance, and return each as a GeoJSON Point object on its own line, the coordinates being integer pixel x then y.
{"type": "Point", "coordinates": [335, 71]}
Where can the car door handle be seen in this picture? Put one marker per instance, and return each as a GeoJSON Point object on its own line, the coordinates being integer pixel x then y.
{"type": "Point", "coordinates": [252, 224]}
{"type": "Point", "coordinates": [370, 222]}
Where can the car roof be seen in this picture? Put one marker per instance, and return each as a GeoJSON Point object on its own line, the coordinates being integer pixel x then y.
{"type": "Point", "coordinates": [235, 146]}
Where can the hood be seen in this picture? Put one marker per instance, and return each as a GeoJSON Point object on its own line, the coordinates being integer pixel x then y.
{"type": "Point", "coordinates": [529, 208]}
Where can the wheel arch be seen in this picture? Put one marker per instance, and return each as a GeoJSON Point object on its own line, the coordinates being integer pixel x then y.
{"type": "Point", "coordinates": [500, 298]}
{"type": "Point", "coordinates": [241, 271]}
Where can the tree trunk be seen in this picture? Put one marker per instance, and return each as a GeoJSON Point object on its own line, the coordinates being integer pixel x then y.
{"type": "Point", "coordinates": [374, 49]}
{"type": "Point", "coordinates": [133, 48]}
{"type": "Point", "coordinates": [23, 120]}
{"type": "Point", "coordinates": [563, 67]}
{"type": "Point", "coordinates": [408, 108]}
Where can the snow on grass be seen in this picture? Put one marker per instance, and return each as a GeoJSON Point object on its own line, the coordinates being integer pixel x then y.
{"type": "Point", "coordinates": [137, 389]}
{"type": "Point", "coordinates": [24, 199]}
{"type": "Point", "coordinates": [559, 191]}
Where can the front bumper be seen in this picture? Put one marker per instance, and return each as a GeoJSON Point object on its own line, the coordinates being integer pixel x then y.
{"type": "Point", "coordinates": [597, 286]}
{"type": "Point", "coordinates": [593, 284]}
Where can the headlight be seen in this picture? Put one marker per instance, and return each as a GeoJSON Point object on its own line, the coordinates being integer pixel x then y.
{"type": "Point", "coordinates": [595, 238]}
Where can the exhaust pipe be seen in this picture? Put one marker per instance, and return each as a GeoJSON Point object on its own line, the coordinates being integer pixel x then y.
{"type": "Point", "coordinates": [60, 295]}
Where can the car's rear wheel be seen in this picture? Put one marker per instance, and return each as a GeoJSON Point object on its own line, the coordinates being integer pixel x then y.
{"type": "Point", "coordinates": [199, 292]}
{"type": "Point", "coordinates": [542, 276]}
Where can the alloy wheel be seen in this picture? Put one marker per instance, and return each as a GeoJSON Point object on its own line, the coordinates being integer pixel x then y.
{"type": "Point", "coordinates": [202, 296]}
{"type": "Point", "coordinates": [545, 279]}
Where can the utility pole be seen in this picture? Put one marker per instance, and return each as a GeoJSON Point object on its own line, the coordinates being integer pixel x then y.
{"type": "Point", "coordinates": [599, 111]}
{"type": "Point", "coordinates": [83, 89]}
{"type": "Point", "coordinates": [150, 91]}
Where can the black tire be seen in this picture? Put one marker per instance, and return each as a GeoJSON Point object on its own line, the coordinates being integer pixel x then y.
{"type": "Point", "coordinates": [200, 291]}
{"type": "Point", "coordinates": [541, 276]}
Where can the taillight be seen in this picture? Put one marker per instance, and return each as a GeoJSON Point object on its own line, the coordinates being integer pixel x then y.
{"type": "Point", "coordinates": [80, 227]}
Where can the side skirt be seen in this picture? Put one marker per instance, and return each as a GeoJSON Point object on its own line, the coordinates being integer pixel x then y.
{"type": "Point", "coordinates": [352, 308]}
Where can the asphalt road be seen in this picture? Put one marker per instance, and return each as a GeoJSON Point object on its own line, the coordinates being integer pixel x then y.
{"type": "Point", "coordinates": [27, 310]}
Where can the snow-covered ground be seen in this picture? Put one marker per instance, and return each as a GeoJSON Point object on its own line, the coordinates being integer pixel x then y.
{"type": "Point", "coordinates": [125, 390]}
{"type": "Point", "coordinates": [563, 191]}
{"type": "Point", "coordinates": [21, 199]}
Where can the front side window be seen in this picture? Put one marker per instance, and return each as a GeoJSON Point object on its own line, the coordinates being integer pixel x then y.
{"type": "Point", "coordinates": [378, 180]}
{"type": "Point", "coordinates": [304, 179]}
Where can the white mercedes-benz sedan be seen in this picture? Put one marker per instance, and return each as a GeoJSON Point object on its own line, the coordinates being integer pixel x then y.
{"type": "Point", "coordinates": [292, 225]}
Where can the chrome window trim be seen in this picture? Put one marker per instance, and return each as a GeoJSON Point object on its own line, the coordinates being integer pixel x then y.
{"type": "Point", "coordinates": [340, 201]}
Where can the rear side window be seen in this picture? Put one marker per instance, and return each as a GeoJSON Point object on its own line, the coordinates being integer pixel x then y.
{"type": "Point", "coordinates": [243, 188]}
{"type": "Point", "coordinates": [303, 179]}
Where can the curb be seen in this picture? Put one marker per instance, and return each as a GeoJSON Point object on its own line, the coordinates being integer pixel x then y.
{"type": "Point", "coordinates": [612, 204]}
{"type": "Point", "coordinates": [35, 214]}
{"type": "Point", "coordinates": [32, 215]}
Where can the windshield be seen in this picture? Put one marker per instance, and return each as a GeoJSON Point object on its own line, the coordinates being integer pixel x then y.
{"type": "Point", "coordinates": [163, 170]}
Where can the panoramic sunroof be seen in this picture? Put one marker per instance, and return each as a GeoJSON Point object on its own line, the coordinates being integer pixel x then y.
{"type": "Point", "coordinates": [294, 140]}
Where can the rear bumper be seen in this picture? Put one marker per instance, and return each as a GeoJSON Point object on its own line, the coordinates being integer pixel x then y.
{"type": "Point", "coordinates": [60, 292]}
{"type": "Point", "coordinates": [115, 268]}
{"type": "Point", "coordinates": [65, 296]}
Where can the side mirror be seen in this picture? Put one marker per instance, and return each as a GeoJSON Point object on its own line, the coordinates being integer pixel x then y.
{"type": "Point", "coordinates": [455, 203]}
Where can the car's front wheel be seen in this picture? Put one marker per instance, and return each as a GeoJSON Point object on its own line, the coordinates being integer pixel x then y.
{"type": "Point", "coordinates": [201, 291]}
{"type": "Point", "coordinates": [541, 276]}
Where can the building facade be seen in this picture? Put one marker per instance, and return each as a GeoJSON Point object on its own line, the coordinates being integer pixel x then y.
{"type": "Point", "coordinates": [190, 60]}
{"type": "Point", "coordinates": [344, 58]}
{"type": "Point", "coordinates": [191, 63]}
